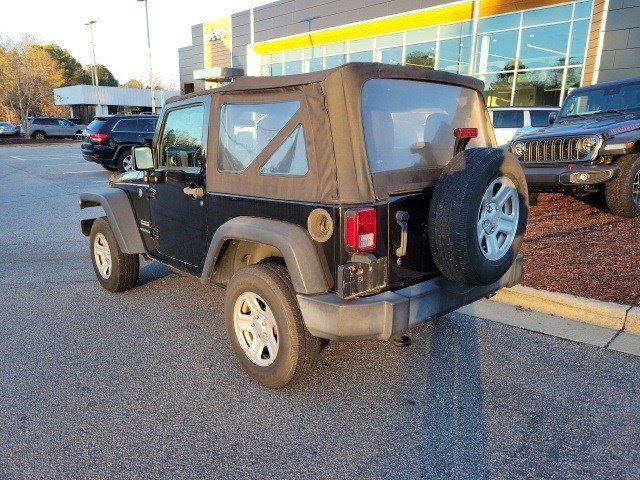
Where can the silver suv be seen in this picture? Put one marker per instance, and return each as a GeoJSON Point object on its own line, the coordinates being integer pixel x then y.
{"type": "Point", "coordinates": [54, 127]}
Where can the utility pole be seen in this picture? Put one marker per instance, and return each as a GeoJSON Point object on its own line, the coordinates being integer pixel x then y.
{"type": "Point", "coordinates": [94, 68]}
{"type": "Point", "coordinates": [151, 82]}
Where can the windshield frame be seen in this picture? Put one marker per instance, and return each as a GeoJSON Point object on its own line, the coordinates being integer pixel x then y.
{"type": "Point", "coordinates": [597, 90]}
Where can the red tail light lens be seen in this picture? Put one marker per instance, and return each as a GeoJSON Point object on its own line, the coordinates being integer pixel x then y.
{"type": "Point", "coordinates": [97, 137]}
{"type": "Point", "coordinates": [465, 132]}
{"type": "Point", "coordinates": [361, 229]}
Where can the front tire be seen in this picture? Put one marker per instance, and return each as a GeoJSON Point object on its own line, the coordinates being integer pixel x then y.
{"type": "Point", "coordinates": [116, 271]}
{"type": "Point", "coordinates": [623, 192]}
{"type": "Point", "coordinates": [265, 327]}
{"type": "Point", "coordinates": [124, 162]}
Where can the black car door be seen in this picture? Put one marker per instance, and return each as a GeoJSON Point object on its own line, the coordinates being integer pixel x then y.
{"type": "Point", "coordinates": [178, 210]}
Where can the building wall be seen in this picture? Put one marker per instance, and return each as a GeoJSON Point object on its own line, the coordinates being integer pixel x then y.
{"type": "Point", "coordinates": [621, 46]}
{"type": "Point", "coordinates": [192, 58]}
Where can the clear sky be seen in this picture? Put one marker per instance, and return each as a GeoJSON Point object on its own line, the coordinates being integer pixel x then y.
{"type": "Point", "coordinates": [120, 34]}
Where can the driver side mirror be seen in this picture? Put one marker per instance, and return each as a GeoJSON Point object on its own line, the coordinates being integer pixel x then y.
{"type": "Point", "coordinates": [142, 159]}
{"type": "Point", "coordinates": [552, 117]}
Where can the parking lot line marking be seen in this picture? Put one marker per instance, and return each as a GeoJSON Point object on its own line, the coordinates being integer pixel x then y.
{"type": "Point", "coordinates": [82, 171]}
{"type": "Point", "coordinates": [62, 164]}
{"type": "Point", "coordinates": [17, 158]}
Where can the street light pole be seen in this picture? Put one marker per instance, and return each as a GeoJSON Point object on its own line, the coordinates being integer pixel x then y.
{"type": "Point", "coordinates": [94, 68]}
{"type": "Point", "coordinates": [151, 82]}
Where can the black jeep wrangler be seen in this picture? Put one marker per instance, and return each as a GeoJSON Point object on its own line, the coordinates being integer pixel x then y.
{"type": "Point", "coordinates": [352, 203]}
{"type": "Point", "coordinates": [591, 149]}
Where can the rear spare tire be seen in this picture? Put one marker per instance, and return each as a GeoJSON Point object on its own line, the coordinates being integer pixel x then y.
{"type": "Point", "coordinates": [478, 216]}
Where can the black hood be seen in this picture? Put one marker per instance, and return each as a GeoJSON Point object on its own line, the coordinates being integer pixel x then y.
{"type": "Point", "coordinates": [606, 125]}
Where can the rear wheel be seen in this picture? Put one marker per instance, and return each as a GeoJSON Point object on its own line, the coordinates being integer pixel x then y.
{"type": "Point", "coordinates": [125, 161]}
{"type": "Point", "coordinates": [39, 135]}
{"type": "Point", "coordinates": [478, 216]}
{"type": "Point", "coordinates": [265, 327]}
{"type": "Point", "coordinates": [623, 192]}
{"type": "Point", "coordinates": [116, 271]}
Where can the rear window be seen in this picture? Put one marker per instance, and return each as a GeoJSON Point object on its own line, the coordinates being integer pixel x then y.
{"type": "Point", "coordinates": [508, 118]}
{"type": "Point", "coordinates": [408, 125]}
{"type": "Point", "coordinates": [540, 118]}
{"type": "Point", "coordinates": [96, 124]}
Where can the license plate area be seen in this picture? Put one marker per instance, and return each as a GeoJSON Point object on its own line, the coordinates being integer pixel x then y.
{"type": "Point", "coordinates": [359, 278]}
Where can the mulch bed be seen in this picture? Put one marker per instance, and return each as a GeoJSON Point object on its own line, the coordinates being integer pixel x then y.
{"type": "Point", "coordinates": [571, 247]}
{"type": "Point", "coordinates": [31, 141]}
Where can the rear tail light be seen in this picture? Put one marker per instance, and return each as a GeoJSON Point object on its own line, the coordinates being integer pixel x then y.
{"type": "Point", "coordinates": [361, 229]}
{"type": "Point", "coordinates": [465, 132]}
{"type": "Point", "coordinates": [97, 137]}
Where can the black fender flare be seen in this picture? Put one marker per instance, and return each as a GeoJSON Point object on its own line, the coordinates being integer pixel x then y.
{"type": "Point", "coordinates": [122, 219]}
{"type": "Point", "coordinates": [294, 243]}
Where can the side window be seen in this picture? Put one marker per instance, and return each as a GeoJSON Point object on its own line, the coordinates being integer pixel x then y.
{"type": "Point", "coordinates": [540, 118]}
{"type": "Point", "coordinates": [290, 158]}
{"type": "Point", "coordinates": [181, 139]}
{"type": "Point", "coordinates": [508, 118]}
{"type": "Point", "coordinates": [245, 129]}
{"type": "Point", "coordinates": [126, 125]}
{"type": "Point", "coordinates": [146, 124]}
{"type": "Point", "coordinates": [50, 121]}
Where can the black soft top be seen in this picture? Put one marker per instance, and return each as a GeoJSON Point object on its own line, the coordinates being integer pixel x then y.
{"type": "Point", "coordinates": [330, 113]}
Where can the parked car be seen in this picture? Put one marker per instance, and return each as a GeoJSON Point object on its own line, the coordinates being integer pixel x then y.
{"type": "Point", "coordinates": [53, 127]}
{"type": "Point", "coordinates": [591, 149]}
{"type": "Point", "coordinates": [347, 204]}
{"type": "Point", "coordinates": [511, 122]}
{"type": "Point", "coordinates": [77, 121]}
{"type": "Point", "coordinates": [9, 129]}
{"type": "Point", "coordinates": [108, 140]}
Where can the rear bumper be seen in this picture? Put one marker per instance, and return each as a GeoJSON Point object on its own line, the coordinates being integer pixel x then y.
{"type": "Point", "coordinates": [558, 177]}
{"type": "Point", "coordinates": [389, 314]}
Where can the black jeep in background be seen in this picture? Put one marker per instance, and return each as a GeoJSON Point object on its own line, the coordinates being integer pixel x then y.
{"type": "Point", "coordinates": [591, 149]}
{"type": "Point", "coordinates": [108, 140]}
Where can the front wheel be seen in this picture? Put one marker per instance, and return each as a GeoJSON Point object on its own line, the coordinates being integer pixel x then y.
{"type": "Point", "coordinates": [125, 161]}
{"type": "Point", "coordinates": [116, 271]}
{"type": "Point", "coordinates": [265, 327]}
{"type": "Point", "coordinates": [623, 192]}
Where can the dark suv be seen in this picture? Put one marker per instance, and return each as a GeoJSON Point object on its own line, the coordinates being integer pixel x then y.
{"type": "Point", "coordinates": [108, 140]}
{"type": "Point", "coordinates": [591, 149]}
{"type": "Point", "coordinates": [347, 204]}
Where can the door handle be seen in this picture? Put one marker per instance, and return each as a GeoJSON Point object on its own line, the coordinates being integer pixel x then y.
{"type": "Point", "coordinates": [151, 193]}
{"type": "Point", "coordinates": [401, 220]}
{"type": "Point", "coordinates": [194, 192]}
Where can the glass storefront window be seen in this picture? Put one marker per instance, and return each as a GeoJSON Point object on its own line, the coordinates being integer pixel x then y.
{"type": "Point", "coordinates": [540, 16]}
{"type": "Point", "coordinates": [497, 89]}
{"type": "Point", "coordinates": [334, 48]}
{"type": "Point", "coordinates": [499, 22]}
{"type": "Point", "coordinates": [276, 69]}
{"type": "Point", "coordinates": [578, 45]}
{"type": "Point", "coordinates": [539, 88]}
{"type": "Point", "coordinates": [391, 55]}
{"type": "Point", "coordinates": [291, 68]}
{"type": "Point", "coordinates": [544, 46]}
{"type": "Point", "coordinates": [334, 61]}
{"type": "Point", "coordinates": [361, 56]}
{"type": "Point", "coordinates": [496, 51]}
{"type": "Point", "coordinates": [393, 40]}
{"type": "Point", "coordinates": [422, 35]}
{"type": "Point", "coordinates": [314, 64]}
{"type": "Point", "coordinates": [574, 76]}
{"type": "Point", "coordinates": [455, 30]}
{"type": "Point", "coordinates": [361, 45]}
{"type": "Point", "coordinates": [454, 55]}
{"type": "Point", "coordinates": [421, 54]}
{"type": "Point", "coordinates": [583, 10]}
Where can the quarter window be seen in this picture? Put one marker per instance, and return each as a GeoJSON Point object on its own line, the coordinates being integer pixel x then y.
{"type": "Point", "coordinates": [128, 125]}
{"type": "Point", "coordinates": [508, 118]}
{"type": "Point", "coordinates": [181, 140]}
{"type": "Point", "coordinates": [290, 158]}
{"type": "Point", "coordinates": [247, 128]}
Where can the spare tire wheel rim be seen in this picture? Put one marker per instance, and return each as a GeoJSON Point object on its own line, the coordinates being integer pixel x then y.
{"type": "Point", "coordinates": [102, 255]}
{"type": "Point", "coordinates": [498, 218]}
{"type": "Point", "coordinates": [256, 329]}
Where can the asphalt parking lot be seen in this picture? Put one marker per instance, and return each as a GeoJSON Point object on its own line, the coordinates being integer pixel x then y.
{"type": "Point", "coordinates": [143, 384]}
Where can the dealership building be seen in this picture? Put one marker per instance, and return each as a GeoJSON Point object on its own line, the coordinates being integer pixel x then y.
{"type": "Point", "coordinates": [528, 53]}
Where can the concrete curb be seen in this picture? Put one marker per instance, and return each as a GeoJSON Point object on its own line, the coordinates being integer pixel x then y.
{"type": "Point", "coordinates": [603, 314]}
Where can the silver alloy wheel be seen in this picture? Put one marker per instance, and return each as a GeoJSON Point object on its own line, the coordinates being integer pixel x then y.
{"type": "Point", "coordinates": [635, 189]}
{"type": "Point", "coordinates": [498, 218]}
{"type": "Point", "coordinates": [256, 329]}
{"type": "Point", "coordinates": [127, 163]}
{"type": "Point", "coordinates": [39, 136]}
{"type": "Point", "coordinates": [102, 255]}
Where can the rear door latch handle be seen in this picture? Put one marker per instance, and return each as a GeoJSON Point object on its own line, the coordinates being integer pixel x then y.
{"type": "Point", "coordinates": [401, 220]}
